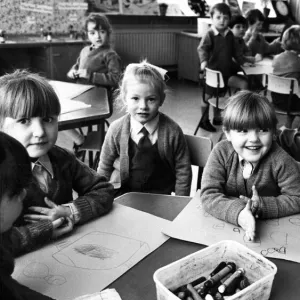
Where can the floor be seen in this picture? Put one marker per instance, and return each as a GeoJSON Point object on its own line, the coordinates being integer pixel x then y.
{"type": "Point", "coordinates": [182, 104]}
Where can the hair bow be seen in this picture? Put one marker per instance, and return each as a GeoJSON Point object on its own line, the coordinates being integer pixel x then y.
{"type": "Point", "coordinates": [161, 71]}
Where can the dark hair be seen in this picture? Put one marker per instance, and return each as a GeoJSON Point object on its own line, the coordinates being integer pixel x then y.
{"type": "Point", "coordinates": [254, 15]}
{"type": "Point", "coordinates": [26, 95]}
{"type": "Point", "coordinates": [223, 8]}
{"type": "Point", "coordinates": [248, 110]}
{"type": "Point", "coordinates": [15, 167]}
{"type": "Point", "coordinates": [101, 22]}
{"type": "Point", "coordinates": [291, 38]}
{"type": "Point", "coordinates": [237, 19]}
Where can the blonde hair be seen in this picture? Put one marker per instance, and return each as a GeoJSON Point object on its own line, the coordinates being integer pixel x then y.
{"type": "Point", "coordinates": [291, 38]}
{"type": "Point", "coordinates": [144, 73]}
{"type": "Point", "coordinates": [249, 110]}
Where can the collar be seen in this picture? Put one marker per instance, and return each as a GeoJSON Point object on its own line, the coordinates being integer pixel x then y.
{"type": "Point", "coordinates": [150, 126]}
{"type": "Point", "coordinates": [242, 161]}
{"type": "Point", "coordinates": [46, 163]}
{"type": "Point", "coordinates": [216, 31]}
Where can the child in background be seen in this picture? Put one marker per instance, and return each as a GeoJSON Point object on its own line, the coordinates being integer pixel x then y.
{"type": "Point", "coordinates": [287, 64]}
{"type": "Point", "coordinates": [145, 151]}
{"type": "Point", "coordinates": [238, 25]}
{"type": "Point", "coordinates": [29, 110]}
{"type": "Point", "coordinates": [254, 38]}
{"type": "Point", "coordinates": [15, 180]}
{"type": "Point", "coordinates": [249, 175]}
{"type": "Point", "coordinates": [216, 51]}
{"type": "Point", "coordinates": [97, 64]}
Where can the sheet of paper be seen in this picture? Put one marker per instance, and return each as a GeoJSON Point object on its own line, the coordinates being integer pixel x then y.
{"type": "Point", "coordinates": [93, 256]}
{"type": "Point", "coordinates": [278, 238]}
{"type": "Point", "coordinates": [66, 90]}
{"type": "Point", "coordinates": [71, 105]}
{"type": "Point", "coordinates": [261, 67]}
{"type": "Point", "coordinates": [108, 294]}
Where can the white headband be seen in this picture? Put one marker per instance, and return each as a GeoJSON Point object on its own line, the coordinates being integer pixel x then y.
{"type": "Point", "coordinates": [161, 71]}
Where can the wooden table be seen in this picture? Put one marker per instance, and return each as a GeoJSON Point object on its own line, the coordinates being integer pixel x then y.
{"type": "Point", "coordinates": [262, 67]}
{"type": "Point", "coordinates": [93, 115]}
{"type": "Point", "coordinates": [137, 283]}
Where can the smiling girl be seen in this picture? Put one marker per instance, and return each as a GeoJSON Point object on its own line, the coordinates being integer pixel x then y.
{"type": "Point", "coordinates": [145, 151]}
{"type": "Point", "coordinates": [249, 175]}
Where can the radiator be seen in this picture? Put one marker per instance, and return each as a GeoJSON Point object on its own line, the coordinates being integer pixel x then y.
{"type": "Point", "coordinates": [158, 47]}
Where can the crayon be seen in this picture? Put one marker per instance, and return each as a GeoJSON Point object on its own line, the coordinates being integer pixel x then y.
{"type": "Point", "coordinates": [216, 296]}
{"type": "Point", "coordinates": [181, 295]}
{"type": "Point", "coordinates": [244, 283]}
{"type": "Point", "coordinates": [221, 274]}
{"type": "Point", "coordinates": [183, 289]}
{"type": "Point", "coordinates": [231, 281]}
{"type": "Point", "coordinates": [194, 293]}
{"type": "Point", "coordinates": [220, 266]}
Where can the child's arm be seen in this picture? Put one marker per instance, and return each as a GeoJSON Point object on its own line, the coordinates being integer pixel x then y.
{"type": "Point", "coordinates": [213, 193]}
{"type": "Point", "coordinates": [73, 71]}
{"type": "Point", "coordinates": [114, 70]}
{"type": "Point", "coordinates": [289, 140]}
{"type": "Point", "coordinates": [287, 173]}
{"type": "Point", "coordinates": [204, 49]}
{"type": "Point", "coordinates": [183, 169]}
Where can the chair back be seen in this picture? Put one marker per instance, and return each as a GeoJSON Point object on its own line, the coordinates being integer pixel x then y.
{"type": "Point", "coordinates": [214, 78]}
{"type": "Point", "coordinates": [199, 149]}
{"type": "Point", "coordinates": [281, 85]}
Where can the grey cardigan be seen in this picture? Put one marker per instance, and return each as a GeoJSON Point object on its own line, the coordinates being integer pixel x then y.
{"type": "Point", "coordinates": [172, 147]}
{"type": "Point", "coordinates": [276, 178]}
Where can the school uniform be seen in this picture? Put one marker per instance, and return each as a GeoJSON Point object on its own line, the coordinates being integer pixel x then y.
{"type": "Point", "coordinates": [276, 178]}
{"type": "Point", "coordinates": [57, 174]}
{"type": "Point", "coordinates": [163, 168]}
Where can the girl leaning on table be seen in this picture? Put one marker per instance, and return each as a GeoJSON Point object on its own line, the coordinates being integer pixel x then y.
{"type": "Point", "coordinates": [15, 180]}
{"type": "Point", "coordinates": [249, 175]}
{"type": "Point", "coordinates": [97, 64]}
{"type": "Point", "coordinates": [145, 151]}
{"type": "Point", "coordinates": [29, 110]}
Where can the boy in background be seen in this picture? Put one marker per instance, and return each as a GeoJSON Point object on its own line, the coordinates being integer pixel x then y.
{"type": "Point", "coordinates": [216, 51]}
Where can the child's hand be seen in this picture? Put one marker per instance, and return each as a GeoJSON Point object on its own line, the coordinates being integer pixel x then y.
{"type": "Point", "coordinates": [62, 226]}
{"type": "Point", "coordinates": [255, 202]}
{"type": "Point", "coordinates": [52, 213]}
{"type": "Point", "coordinates": [258, 57]}
{"type": "Point", "coordinates": [203, 65]}
{"type": "Point", "coordinates": [82, 73]}
{"type": "Point", "coordinates": [72, 74]}
{"type": "Point", "coordinates": [247, 221]}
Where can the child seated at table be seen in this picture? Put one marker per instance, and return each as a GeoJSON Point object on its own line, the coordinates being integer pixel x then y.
{"type": "Point", "coordinates": [249, 175]}
{"type": "Point", "coordinates": [254, 38]}
{"type": "Point", "coordinates": [15, 180]}
{"type": "Point", "coordinates": [287, 64]}
{"type": "Point", "coordinates": [29, 110]}
{"type": "Point", "coordinates": [97, 64]}
{"type": "Point", "coordinates": [216, 51]}
{"type": "Point", "coordinates": [238, 25]}
{"type": "Point", "coordinates": [145, 151]}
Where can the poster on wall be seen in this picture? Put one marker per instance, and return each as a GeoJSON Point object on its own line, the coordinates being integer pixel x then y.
{"type": "Point", "coordinates": [105, 6]}
{"type": "Point", "coordinates": [140, 7]}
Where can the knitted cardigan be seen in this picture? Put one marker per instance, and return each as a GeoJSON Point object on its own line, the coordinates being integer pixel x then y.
{"type": "Point", "coordinates": [103, 66]}
{"type": "Point", "coordinates": [276, 178]}
{"type": "Point", "coordinates": [172, 148]}
{"type": "Point", "coordinates": [95, 198]}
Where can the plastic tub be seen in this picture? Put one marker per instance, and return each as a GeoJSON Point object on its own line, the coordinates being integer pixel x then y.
{"type": "Point", "coordinates": [259, 270]}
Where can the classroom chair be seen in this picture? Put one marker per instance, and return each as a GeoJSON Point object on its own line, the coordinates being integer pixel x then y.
{"type": "Point", "coordinates": [214, 79]}
{"type": "Point", "coordinates": [199, 149]}
{"type": "Point", "coordinates": [282, 85]}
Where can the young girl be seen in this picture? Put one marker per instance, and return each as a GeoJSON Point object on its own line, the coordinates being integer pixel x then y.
{"type": "Point", "coordinates": [287, 64]}
{"type": "Point", "coordinates": [15, 180]}
{"type": "Point", "coordinates": [250, 164]}
{"type": "Point", "coordinates": [97, 63]}
{"type": "Point", "coordinates": [145, 151]}
{"type": "Point", "coordinates": [29, 110]}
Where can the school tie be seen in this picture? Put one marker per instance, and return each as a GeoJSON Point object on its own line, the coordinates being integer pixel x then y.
{"type": "Point", "coordinates": [144, 142]}
{"type": "Point", "coordinates": [247, 169]}
{"type": "Point", "coordinates": [42, 176]}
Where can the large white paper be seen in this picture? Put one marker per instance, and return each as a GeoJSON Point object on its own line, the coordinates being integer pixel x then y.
{"type": "Point", "coordinates": [278, 238]}
{"type": "Point", "coordinates": [67, 105]}
{"type": "Point", "coordinates": [93, 256]}
{"type": "Point", "coordinates": [262, 67]}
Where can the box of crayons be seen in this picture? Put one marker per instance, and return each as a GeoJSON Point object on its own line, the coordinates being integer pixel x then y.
{"type": "Point", "coordinates": [226, 270]}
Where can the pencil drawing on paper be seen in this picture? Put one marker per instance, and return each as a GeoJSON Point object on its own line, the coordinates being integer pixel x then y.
{"type": "Point", "coordinates": [41, 271]}
{"type": "Point", "coordinates": [101, 251]}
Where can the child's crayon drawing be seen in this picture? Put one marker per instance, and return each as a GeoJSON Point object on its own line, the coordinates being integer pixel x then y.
{"type": "Point", "coordinates": [278, 238]}
{"type": "Point", "coordinates": [93, 256]}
